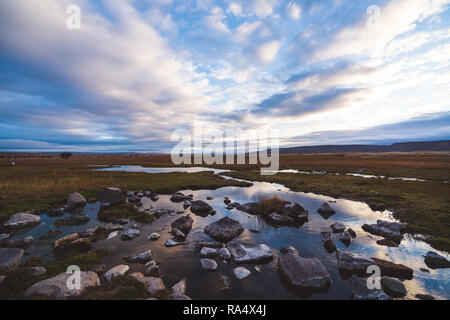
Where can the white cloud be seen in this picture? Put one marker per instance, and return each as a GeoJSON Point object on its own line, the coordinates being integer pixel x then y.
{"type": "Point", "coordinates": [235, 9]}
{"type": "Point", "coordinates": [215, 20]}
{"type": "Point", "coordinates": [293, 10]}
{"type": "Point", "coordinates": [267, 52]}
{"type": "Point", "coordinates": [263, 8]}
{"type": "Point", "coordinates": [245, 30]}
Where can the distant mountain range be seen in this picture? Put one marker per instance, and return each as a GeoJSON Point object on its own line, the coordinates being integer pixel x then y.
{"type": "Point", "coordinates": [355, 148]}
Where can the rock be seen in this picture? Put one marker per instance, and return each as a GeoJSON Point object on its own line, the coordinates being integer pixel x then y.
{"type": "Point", "coordinates": [303, 273]}
{"type": "Point", "coordinates": [154, 197]}
{"type": "Point", "coordinates": [257, 269]}
{"type": "Point", "coordinates": [387, 243]}
{"type": "Point", "coordinates": [2, 278]}
{"type": "Point", "coordinates": [436, 261]}
{"type": "Point", "coordinates": [297, 213]}
{"type": "Point", "coordinates": [22, 220]}
{"type": "Point", "coordinates": [425, 270]}
{"type": "Point", "coordinates": [154, 236]}
{"type": "Point", "coordinates": [208, 264]}
{"type": "Point", "coordinates": [178, 296]}
{"type": "Point", "coordinates": [10, 258]}
{"type": "Point", "coordinates": [184, 224]}
{"type": "Point", "coordinates": [227, 200]}
{"type": "Point", "coordinates": [57, 288]}
{"type": "Point", "coordinates": [225, 283]}
{"type": "Point", "coordinates": [360, 290]}
{"type": "Point", "coordinates": [208, 244]}
{"type": "Point", "coordinates": [180, 287]}
{"type": "Point", "coordinates": [131, 197]}
{"type": "Point", "coordinates": [337, 227]}
{"type": "Point", "coordinates": [224, 229]}
{"type": "Point", "coordinates": [201, 208]}
{"type": "Point", "coordinates": [186, 204]}
{"type": "Point", "coordinates": [75, 220]}
{"type": "Point", "coordinates": [390, 269]}
{"type": "Point", "coordinates": [208, 252]}
{"type": "Point", "coordinates": [73, 247]}
{"type": "Point", "coordinates": [389, 230]}
{"type": "Point", "coordinates": [153, 285]}
{"type": "Point", "coordinates": [326, 211]}
{"type": "Point", "coordinates": [377, 206]}
{"type": "Point", "coordinates": [152, 271]}
{"type": "Point", "coordinates": [352, 232]}
{"type": "Point", "coordinates": [241, 273]}
{"type": "Point", "coordinates": [142, 257]}
{"type": "Point", "coordinates": [353, 263]}
{"type": "Point", "coordinates": [55, 212]}
{"type": "Point", "coordinates": [289, 249]}
{"type": "Point", "coordinates": [242, 254]}
{"type": "Point", "coordinates": [393, 225]}
{"type": "Point", "coordinates": [172, 243]}
{"type": "Point", "coordinates": [279, 219]}
{"type": "Point", "coordinates": [111, 196]}
{"type": "Point", "coordinates": [178, 197]}
{"type": "Point", "coordinates": [328, 241]}
{"type": "Point", "coordinates": [178, 235]}
{"type": "Point", "coordinates": [64, 240]}
{"type": "Point", "coordinates": [21, 243]}
{"type": "Point", "coordinates": [112, 235]}
{"type": "Point", "coordinates": [393, 287]}
{"type": "Point", "coordinates": [117, 271]}
{"type": "Point", "coordinates": [250, 208]}
{"type": "Point", "coordinates": [424, 297]}
{"type": "Point", "coordinates": [224, 254]}
{"type": "Point", "coordinates": [346, 238]}
{"type": "Point", "coordinates": [75, 200]}
{"type": "Point", "coordinates": [4, 237]}
{"type": "Point", "coordinates": [37, 271]}
{"type": "Point", "coordinates": [209, 198]}
{"type": "Point", "coordinates": [130, 234]}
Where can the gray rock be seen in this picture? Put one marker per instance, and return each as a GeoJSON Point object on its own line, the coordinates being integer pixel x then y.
{"type": "Point", "coordinates": [289, 249]}
{"type": "Point", "coordinates": [242, 254]}
{"type": "Point", "coordinates": [328, 241]}
{"type": "Point", "coordinates": [387, 243]}
{"type": "Point", "coordinates": [178, 197]}
{"type": "Point", "coordinates": [57, 288]}
{"type": "Point", "coordinates": [180, 287]}
{"type": "Point", "coordinates": [279, 219]}
{"type": "Point", "coordinates": [152, 271]}
{"type": "Point", "coordinates": [184, 224]}
{"type": "Point", "coordinates": [23, 243]}
{"type": "Point", "coordinates": [352, 232]}
{"type": "Point", "coordinates": [436, 261]}
{"type": "Point", "coordinates": [389, 230]}
{"type": "Point", "coordinates": [172, 243]}
{"type": "Point", "coordinates": [153, 285]}
{"type": "Point", "coordinates": [326, 211]}
{"type": "Point", "coordinates": [227, 200]}
{"type": "Point", "coordinates": [346, 238]}
{"type": "Point", "coordinates": [208, 252]}
{"type": "Point", "coordinates": [111, 196]}
{"type": "Point", "coordinates": [22, 220]}
{"type": "Point", "coordinates": [154, 236]}
{"type": "Point", "coordinates": [112, 235]}
{"type": "Point", "coordinates": [186, 204]}
{"type": "Point", "coordinates": [208, 244]}
{"type": "Point", "coordinates": [38, 271]}
{"type": "Point", "coordinates": [337, 227]}
{"type": "Point", "coordinates": [390, 269]}
{"type": "Point", "coordinates": [224, 254]}
{"type": "Point", "coordinates": [75, 200]}
{"type": "Point", "coordinates": [225, 283]}
{"type": "Point", "coordinates": [178, 296]}
{"type": "Point", "coordinates": [141, 258]}
{"type": "Point", "coordinates": [241, 273]}
{"type": "Point", "coordinates": [303, 273]}
{"type": "Point", "coordinates": [353, 263]}
{"type": "Point", "coordinates": [115, 228]}
{"type": "Point", "coordinates": [64, 240]}
{"type": "Point", "coordinates": [10, 258]}
{"type": "Point", "coordinates": [130, 234]}
{"type": "Point", "coordinates": [117, 271]}
{"type": "Point", "coordinates": [208, 264]}
{"type": "Point", "coordinates": [201, 208]}
{"type": "Point", "coordinates": [4, 237]}
{"type": "Point", "coordinates": [224, 229]}
{"type": "Point", "coordinates": [178, 235]}
{"type": "Point", "coordinates": [75, 220]}
{"type": "Point", "coordinates": [393, 287]}
{"type": "Point", "coordinates": [360, 290]}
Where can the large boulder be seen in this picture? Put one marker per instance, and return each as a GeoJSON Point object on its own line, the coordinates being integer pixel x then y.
{"type": "Point", "coordinates": [141, 258]}
{"type": "Point", "coordinates": [242, 254]}
{"type": "Point", "coordinates": [22, 220]}
{"type": "Point", "coordinates": [201, 208]}
{"type": "Point", "coordinates": [57, 287]}
{"type": "Point", "coordinates": [117, 271]}
{"type": "Point", "coordinates": [75, 200]}
{"type": "Point", "coordinates": [10, 258]}
{"type": "Point", "coordinates": [224, 229]}
{"type": "Point", "coordinates": [393, 287]}
{"type": "Point", "coordinates": [436, 261]}
{"type": "Point", "coordinates": [111, 196]}
{"type": "Point", "coordinates": [303, 273]}
{"type": "Point", "coordinates": [153, 285]}
{"type": "Point", "coordinates": [353, 263]}
{"type": "Point", "coordinates": [360, 290]}
{"type": "Point", "coordinates": [184, 224]}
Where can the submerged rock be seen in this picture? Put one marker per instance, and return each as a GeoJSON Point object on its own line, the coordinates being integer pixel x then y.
{"type": "Point", "coordinates": [10, 258]}
{"type": "Point", "coordinates": [387, 243]}
{"type": "Point", "coordinates": [130, 234]}
{"type": "Point", "coordinates": [57, 288]}
{"type": "Point", "coordinates": [208, 264]}
{"type": "Point", "coordinates": [117, 271]}
{"type": "Point", "coordinates": [22, 220]}
{"type": "Point", "coordinates": [201, 208]}
{"type": "Point", "coordinates": [224, 229]}
{"type": "Point", "coordinates": [225, 283]}
{"type": "Point", "coordinates": [303, 273]}
{"type": "Point", "coordinates": [75, 200]}
{"type": "Point", "coordinates": [241, 273]}
{"type": "Point", "coordinates": [242, 254]}
{"type": "Point", "coordinates": [436, 261]}
{"type": "Point", "coordinates": [142, 257]}
{"type": "Point", "coordinates": [326, 211]}
{"type": "Point", "coordinates": [393, 287]}
{"type": "Point", "coordinates": [184, 224]}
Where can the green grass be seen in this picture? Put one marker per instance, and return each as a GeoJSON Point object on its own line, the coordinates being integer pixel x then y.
{"type": "Point", "coordinates": [425, 206]}
{"type": "Point", "coordinates": [124, 211]}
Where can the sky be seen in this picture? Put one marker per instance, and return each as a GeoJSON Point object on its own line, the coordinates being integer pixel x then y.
{"type": "Point", "coordinates": [318, 72]}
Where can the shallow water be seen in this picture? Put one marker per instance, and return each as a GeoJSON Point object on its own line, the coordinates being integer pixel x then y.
{"type": "Point", "coordinates": [162, 170]}
{"type": "Point", "coordinates": [184, 261]}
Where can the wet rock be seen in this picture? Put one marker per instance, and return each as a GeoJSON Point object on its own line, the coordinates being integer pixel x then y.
{"type": "Point", "coordinates": [152, 271]}
{"type": "Point", "coordinates": [393, 225]}
{"type": "Point", "coordinates": [242, 254]}
{"type": "Point", "coordinates": [57, 288]}
{"type": "Point", "coordinates": [303, 273]}
{"type": "Point", "coordinates": [393, 270]}
{"type": "Point", "coordinates": [184, 224]}
{"type": "Point", "coordinates": [424, 297]}
{"type": "Point", "coordinates": [208, 252]}
{"type": "Point", "coordinates": [178, 296]}
{"type": "Point", "coordinates": [154, 197]}
{"type": "Point", "coordinates": [153, 285]}
{"type": "Point", "coordinates": [289, 249]}
{"type": "Point", "coordinates": [201, 208]}
{"type": "Point", "coordinates": [393, 287]}
{"type": "Point", "coordinates": [436, 261]}
{"type": "Point", "coordinates": [241, 273]}
{"type": "Point", "coordinates": [117, 271]}
{"type": "Point", "coordinates": [227, 200]}
{"type": "Point", "coordinates": [178, 235]}
{"type": "Point", "coordinates": [328, 241]}
{"type": "Point", "coordinates": [113, 235]}
{"type": "Point", "coordinates": [75, 220]}
{"type": "Point", "coordinates": [179, 287]}
{"type": "Point", "coordinates": [95, 233]}
{"type": "Point", "coordinates": [337, 227]}
{"type": "Point", "coordinates": [352, 232]}
{"type": "Point", "coordinates": [224, 254]}
{"type": "Point", "coordinates": [377, 206]}
{"type": "Point", "coordinates": [225, 283]}
{"type": "Point", "coordinates": [121, 221]}
{"type": "Point", "coordinates": [387, 243]}
{"type": "Point", "coordinates": [111, 196]}
{"type": "Point", "coordinates": [208, 264]}
{"type": "Point", "coordinates": [257, 269]}
{"type": "Point", "coordinates": [224, 229]}
{"type": "Point", "coordinates": [279, 219]}
{"type": "Point", "coordinates": [297, 212]}
{"type": "Point", "coordinates": [55, 212]}
{"type": "Point", "coordinates": [326, 211]}
{"type": "Point", "coordinates": [23, 243]}
{"type": "Point", "coordinates": [75, 200]}
{"type": "Point", "coordinates": [353, 263]}
{"type": "Point", "coordinates": [132, 198]}
{"type": "Point", "coordinates": [248, 207]}
{"type": "Point", "coordinates": [142, 257]}
{"type": "Point", "coordinates": [178, 197]}
{"type": "Point", "coordinates": [208, 244]}
{"type": "Point", "coordinates": [10, 258]}
{"type": "Point", "coordinates": [37, 271]}
{"type": "Point", "coordinates": [186, 204]}
{"type": "Point", "coordinates": [209, 198]}
{"type": "Point", "coordinates": [154, 236]}
{"type": "Point", "coordinates": [425, 270]}
{"type": "Point", "coordinates": [22, 220]}
{"type": "Point", "coordinates": [172, 243]}
{"type": "Point", "coordinates": [360, 290]}
{"type": "Point", "coordinates": [346, 238]}
{"type": "Point", "coordinates": [4, 237]}
{"type": "Point", "coordinates": [130, 234]}
{"type": "Point", "coordinates": [64, 240]}
{"type": "Point", "coordinates": [389, 230]}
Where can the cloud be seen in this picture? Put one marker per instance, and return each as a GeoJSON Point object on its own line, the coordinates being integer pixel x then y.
{"type": "Point", "coordinates": [263, 8]}
{"type": "Point", "coordinates": [293, 10]}
{"type": "Point", "coordinates": [215, 20]}
{"type": "Point", "coordinates": [235, 9]}
{"type": "Point", "coordinates": [267, 52]}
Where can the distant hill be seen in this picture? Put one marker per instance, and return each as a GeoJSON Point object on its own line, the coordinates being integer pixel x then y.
{"type": "Point", "coordinates": [355, 148]}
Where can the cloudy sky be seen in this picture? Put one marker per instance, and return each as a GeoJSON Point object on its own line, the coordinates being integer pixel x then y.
{"type": "Point", "coordinates": [319, 72]}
